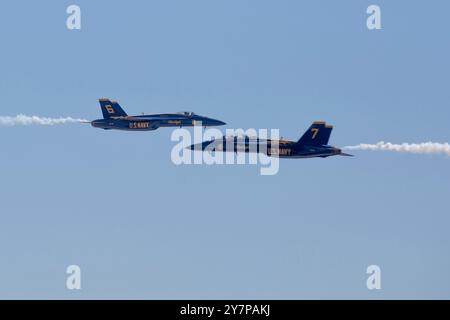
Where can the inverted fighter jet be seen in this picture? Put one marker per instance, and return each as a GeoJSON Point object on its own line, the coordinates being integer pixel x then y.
{"type": "Point", "coordinates": [314, 143]}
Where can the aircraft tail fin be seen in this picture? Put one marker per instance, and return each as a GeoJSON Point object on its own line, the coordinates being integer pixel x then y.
{"type": "Point", "coordinates": [111, 108]}
{"type": "Point", "coordinates": [318, 134]}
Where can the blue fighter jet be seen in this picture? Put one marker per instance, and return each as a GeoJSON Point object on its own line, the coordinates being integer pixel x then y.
{"type": "Point", "coordinates": [314, 143]}
{"type": "Point", "coordinates": [115, 118]}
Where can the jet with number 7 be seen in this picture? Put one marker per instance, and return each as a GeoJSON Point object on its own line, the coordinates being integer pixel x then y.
{"type": "Point", "coordinates": [314, 143]}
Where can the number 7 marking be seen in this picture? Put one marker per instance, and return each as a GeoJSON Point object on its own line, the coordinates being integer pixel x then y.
{"type": "Point", "coordinates": [315, 131]}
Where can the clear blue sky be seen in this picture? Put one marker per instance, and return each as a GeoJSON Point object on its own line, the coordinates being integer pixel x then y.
{"type": "Point", "coordinates": [141, 227]}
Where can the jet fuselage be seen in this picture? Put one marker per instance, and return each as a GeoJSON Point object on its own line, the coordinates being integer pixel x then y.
{"type": "Point", "coordinates": [153, 122]}
{"type": "Point", "coordinates": [114, 117]}
{"type": "Point", "coordinates": [274, 148]}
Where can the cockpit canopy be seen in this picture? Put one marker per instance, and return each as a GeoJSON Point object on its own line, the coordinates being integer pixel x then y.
{"type": "Point", "coordinates": [186, 113]}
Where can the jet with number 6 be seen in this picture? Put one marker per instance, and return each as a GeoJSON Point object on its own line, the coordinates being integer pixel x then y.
{"type": "Point", "coordinates": [114, 117]}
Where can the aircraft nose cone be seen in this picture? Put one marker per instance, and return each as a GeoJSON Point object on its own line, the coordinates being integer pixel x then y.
{"type": "Point", "coordinates": [216, 122]}
{"type": "Point", "coordinates": [194, 147]}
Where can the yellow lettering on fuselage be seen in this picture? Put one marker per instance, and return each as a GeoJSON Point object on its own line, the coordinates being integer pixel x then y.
{"type": "Point", "coordinates": [139, 125]}
{"type": "Point", "coordinates": [280, 151]}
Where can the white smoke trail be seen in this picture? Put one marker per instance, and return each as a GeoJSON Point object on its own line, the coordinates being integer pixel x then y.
{"type": "Point", "coordinates": [24, 120]}
{"type": "Point", "coordinates": [420, 148]}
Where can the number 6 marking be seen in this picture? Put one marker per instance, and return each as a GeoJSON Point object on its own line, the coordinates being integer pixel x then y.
{"type": "Point", "coordinates": [109, 108]}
